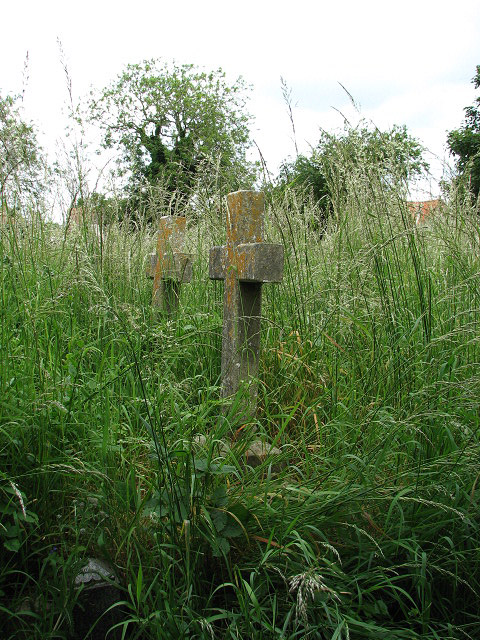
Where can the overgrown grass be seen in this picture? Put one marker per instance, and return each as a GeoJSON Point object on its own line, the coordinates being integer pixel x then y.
{"type": "Point", "coordinates": [369, 384]}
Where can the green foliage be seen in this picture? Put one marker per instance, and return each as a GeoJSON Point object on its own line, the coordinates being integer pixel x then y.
{"type": "Point", "coordinates": [369, 386]}
{"type": "Point", "coordinates": [392, 156]}
{"type": "Point", "coordinates": [464, 143]}
{"type": "Point", "coordinates": [175, 125]}
{"type": "Point", "coordinates": [15, 519]}
{"type": "Point", "coordinates": [102, 209]}
{"type": "Point", "coordinates": [21, 162]}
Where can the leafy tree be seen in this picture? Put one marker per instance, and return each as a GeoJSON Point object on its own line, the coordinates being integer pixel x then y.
{"type": "Point", "coordinates": [464, 143]}
{"type": "Point", "coordinates": [21, 161]}
{"type": "Point", "coordinates": [100, 209]}
{"type": "Point", "coordinates": [173, 124]}
{"type": "Point", "coordinates": [393, 156]}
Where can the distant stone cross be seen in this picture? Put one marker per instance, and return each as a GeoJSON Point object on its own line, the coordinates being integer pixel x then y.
{"type": "Point", "coordinates": [169, 266]}
{"type": "Point", "coordinates": [244, 263]}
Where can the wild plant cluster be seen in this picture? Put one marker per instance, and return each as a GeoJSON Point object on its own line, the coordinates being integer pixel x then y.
{"type": "Point", "coordinates": [366, 526]}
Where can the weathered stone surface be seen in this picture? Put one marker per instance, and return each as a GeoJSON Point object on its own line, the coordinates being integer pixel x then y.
{"type": "Point", "coordinates": [252, 262]}
{"type": "Point", "coordinates": [255, 455]}
{"type": "Point", "coordinates": [201, 442]}
{"type": "Point", "coordinates": [94, 606]}
{"type": "Point", "coordinates": [170, 265]}
{"type": "Point", "coordinates": [94, 572]}
{"type": "Point", "coordinates": [258, 452]}
{"type": "Point", "coordinates": [151, 265]}
{"type": "Point", "coordinates": [177, 267]}
{"type": "Point", "coordinates": [217, 266]}
{"type": "Point", "coordinates": [244, 263]}
{"type": "Point", "coordinates": [260, 262]}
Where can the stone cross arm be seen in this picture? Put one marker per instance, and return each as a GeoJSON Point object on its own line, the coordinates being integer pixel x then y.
{"type": "Point", "coordinates": [175, 266]}
{"type": "Point", "coordinates": [250, 262]}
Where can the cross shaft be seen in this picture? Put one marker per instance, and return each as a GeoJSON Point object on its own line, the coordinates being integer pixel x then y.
{"type": "Point", "coordinates": [244, 263]}
{"type": "Point", "coordinates": [170, 266]}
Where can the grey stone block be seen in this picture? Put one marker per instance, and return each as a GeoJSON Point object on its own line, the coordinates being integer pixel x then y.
{"type": "Point", "coordinates": [95, 612]}
{"type": "Point", "coordinates": [259, 262]}
{"type": "Point", "coordinates": [259, 452]}
{"type": "Point", "coordinates": [251, 262]}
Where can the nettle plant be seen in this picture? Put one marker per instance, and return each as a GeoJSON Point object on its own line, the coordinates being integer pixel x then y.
{"type": "Point", "coordinates": [16, 519]}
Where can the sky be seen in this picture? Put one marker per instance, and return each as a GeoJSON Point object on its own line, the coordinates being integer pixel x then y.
{"type": "Point", "coordinates": [404, 63]}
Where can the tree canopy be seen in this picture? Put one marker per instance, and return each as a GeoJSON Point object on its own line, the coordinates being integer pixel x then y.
{"type": "Point", "coordinates": [393, 156]}
{"type": "Point", "coordinates": [174, 124]}
{"type": "Point", "coordinates": [464, 143]}
{"type": "Point", "coordinates": [21, 162]}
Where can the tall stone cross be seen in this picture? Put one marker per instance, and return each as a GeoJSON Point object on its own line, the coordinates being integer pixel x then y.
{"type": "Point", "coordinates": [244, 263]}
{"type": "Point", "coordinates": [169, 266]}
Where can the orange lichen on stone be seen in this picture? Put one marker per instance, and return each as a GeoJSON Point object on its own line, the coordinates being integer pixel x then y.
{"type": "Point", "coordinates": [169, 266]}
{"type": "Point", "coordinates": [245, 262]}
{"type": "Point", "coordinates": [245, 217]}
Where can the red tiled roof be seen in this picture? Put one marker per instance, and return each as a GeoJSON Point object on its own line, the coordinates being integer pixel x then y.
{"type": "Point", "coordinates": [422, 210]}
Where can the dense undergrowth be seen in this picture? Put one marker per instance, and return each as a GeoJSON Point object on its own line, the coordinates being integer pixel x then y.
{"type": "Point", "coordinates": [369, 385]}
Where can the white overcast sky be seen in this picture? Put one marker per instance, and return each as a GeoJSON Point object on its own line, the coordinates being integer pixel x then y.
{"type": "Point", "coordinates": [408, 62]}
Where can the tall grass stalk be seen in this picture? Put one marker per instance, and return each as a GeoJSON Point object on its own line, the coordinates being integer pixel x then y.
{"type": "Point", "coordinates": [369, 385]}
